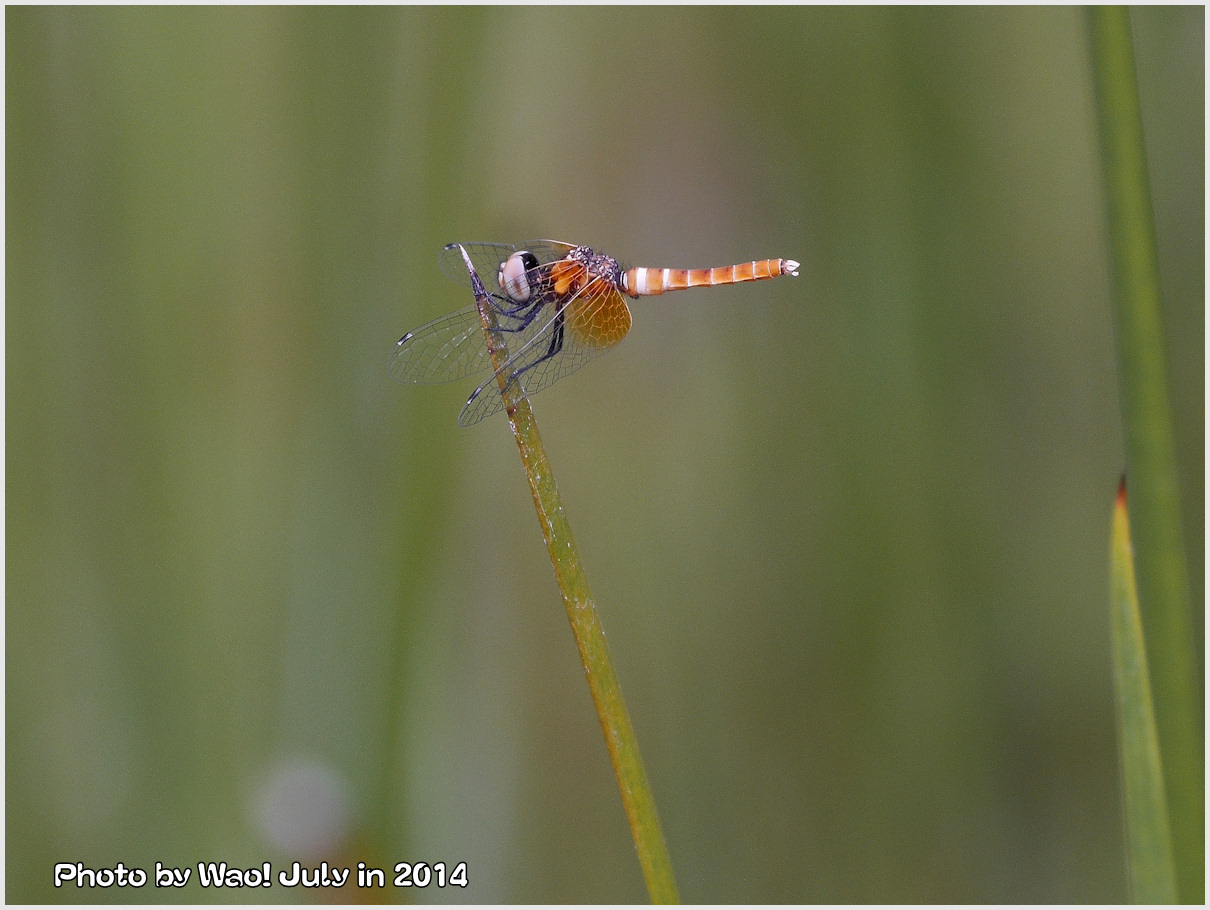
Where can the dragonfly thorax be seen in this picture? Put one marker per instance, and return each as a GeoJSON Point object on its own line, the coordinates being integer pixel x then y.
{"type": "Point", "coordinates": [598, 265]}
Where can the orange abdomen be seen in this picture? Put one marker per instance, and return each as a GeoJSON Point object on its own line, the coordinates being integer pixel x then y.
{"type": "Point", "coordinates": [644, 282]}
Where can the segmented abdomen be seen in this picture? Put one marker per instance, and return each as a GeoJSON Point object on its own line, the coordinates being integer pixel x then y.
{"type": "Point", "coordinates": [644, 282]}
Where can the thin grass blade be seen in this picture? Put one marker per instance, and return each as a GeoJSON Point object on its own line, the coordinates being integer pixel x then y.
{"type": "Point", "coordinates": [1155, 515]}
{"type": "Point", "coordinates": [1148, 834]}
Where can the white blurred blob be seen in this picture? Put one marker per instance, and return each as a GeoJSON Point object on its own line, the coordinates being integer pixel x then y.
{"type": "Point", "coordinates": [302, 809]}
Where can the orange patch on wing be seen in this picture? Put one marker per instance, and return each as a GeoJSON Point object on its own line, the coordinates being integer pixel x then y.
{"type": "Point", "coordinates": [599, 318]}
{"type": "Point", "coordinates": [567, 276]}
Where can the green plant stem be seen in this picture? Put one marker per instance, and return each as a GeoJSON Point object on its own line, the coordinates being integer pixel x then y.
{"type": "Point", "coordinates": [1155, 517]}
{"type": "Point", "coordinates": [585, 623]}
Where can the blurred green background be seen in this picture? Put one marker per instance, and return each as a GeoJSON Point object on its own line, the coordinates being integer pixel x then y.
{"type": "Point", "coordinates": [848, 532]}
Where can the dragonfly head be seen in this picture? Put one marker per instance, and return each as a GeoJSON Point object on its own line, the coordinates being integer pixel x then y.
{"type": "Point", "coordinates": [514, 275]}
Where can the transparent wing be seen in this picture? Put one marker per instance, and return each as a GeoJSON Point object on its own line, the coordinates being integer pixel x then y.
{"type": "Point", "coordinates": [486, 257]}
{"type": "Point", "coordinates": [541, 346]}
{"type": "Point", "coordinates": [543, 357]}
{"type": "Point", "coordinates": [452, 346]}
{"type": "Point", "coordinates": [447, 348]}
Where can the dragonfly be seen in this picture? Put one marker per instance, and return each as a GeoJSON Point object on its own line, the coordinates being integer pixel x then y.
{"type": "Point", "coordinates": [556, 306]}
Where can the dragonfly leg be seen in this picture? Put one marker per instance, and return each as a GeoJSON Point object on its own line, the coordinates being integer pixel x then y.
{"type": "Point", "coordinates": [524, 313]}
{"type": "Point", "coordinates": [556, 345]}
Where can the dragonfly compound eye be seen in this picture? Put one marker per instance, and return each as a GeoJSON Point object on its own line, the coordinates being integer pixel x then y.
{"type": "Point", "coordinates": [513, 275]}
